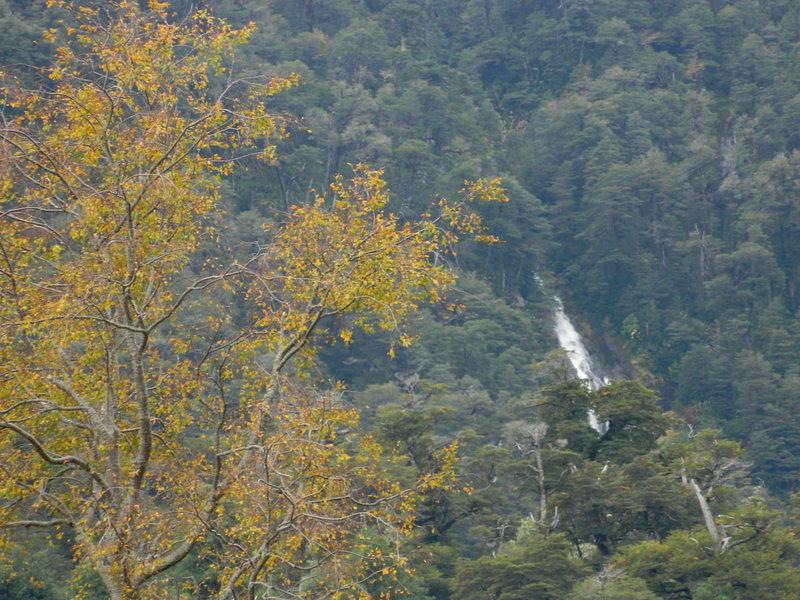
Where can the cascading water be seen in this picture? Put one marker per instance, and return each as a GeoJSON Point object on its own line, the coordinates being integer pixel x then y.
{"type": "Point", "coordinates": [585, 368]}
{"type": "Point", "coordinates": [570, 340]}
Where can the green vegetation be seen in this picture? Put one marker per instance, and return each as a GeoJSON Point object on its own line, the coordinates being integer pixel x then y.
{"type": "Point", "coordinates": [651, 154]}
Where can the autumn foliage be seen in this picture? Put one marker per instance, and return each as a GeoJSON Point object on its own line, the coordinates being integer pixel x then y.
{"type": "Point", "coordinates": [149, 435]}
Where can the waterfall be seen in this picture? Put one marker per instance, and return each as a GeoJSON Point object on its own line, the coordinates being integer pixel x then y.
{"type": "Point", "coordinates": [585, 368]}
{"type": "Point", "coordinates": [570, 340]}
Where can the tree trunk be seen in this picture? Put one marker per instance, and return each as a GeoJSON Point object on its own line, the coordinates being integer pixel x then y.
{"type": "Point", "coordinates": [708, 518]}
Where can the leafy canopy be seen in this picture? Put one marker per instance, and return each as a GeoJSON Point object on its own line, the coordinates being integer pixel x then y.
{"type": "Point", "coordinates": [145, 392]}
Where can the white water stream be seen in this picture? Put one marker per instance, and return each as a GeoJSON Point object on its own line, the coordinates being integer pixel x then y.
{"type": "Point", "coordinates": [570, 340]}
{"type": "Point", "coordinates": [585, 368]}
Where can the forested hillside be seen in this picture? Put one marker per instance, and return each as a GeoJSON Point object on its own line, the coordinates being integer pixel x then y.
{"type": "Point", "coordinates": [650, 153]}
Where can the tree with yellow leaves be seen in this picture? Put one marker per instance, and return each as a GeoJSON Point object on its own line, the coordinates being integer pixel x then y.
{"type": "Point", "coordinates": [146, 436]}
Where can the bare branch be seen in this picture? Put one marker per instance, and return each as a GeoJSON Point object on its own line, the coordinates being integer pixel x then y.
{"type": "Point", "coordinates": [35, 523]}
{"type": "Point", "coordinates": [55, 459]}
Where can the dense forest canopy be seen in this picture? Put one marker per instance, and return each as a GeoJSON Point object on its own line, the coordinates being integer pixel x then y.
{"type": "Point", "coordinates": [650, 153]}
